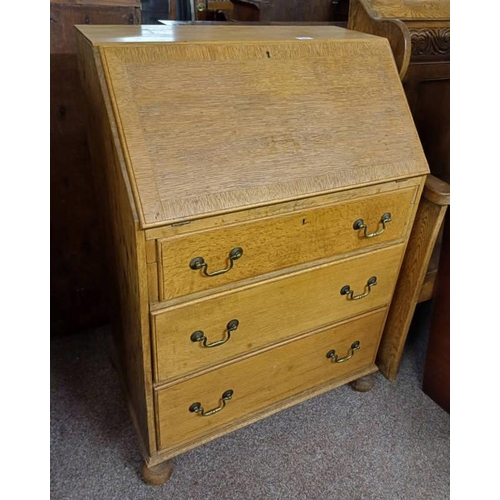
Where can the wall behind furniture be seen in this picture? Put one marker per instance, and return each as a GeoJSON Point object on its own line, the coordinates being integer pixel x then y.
{"type": "Point", "coordinates": [78, 287]}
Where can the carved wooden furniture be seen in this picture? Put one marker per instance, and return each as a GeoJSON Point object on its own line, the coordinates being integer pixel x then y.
{"type": "Point", "coordinates": [77, 290]}
{"type": "Point", "coordinates": [255, 271]}
{"type": "Point", "coordinates": [419, 34]}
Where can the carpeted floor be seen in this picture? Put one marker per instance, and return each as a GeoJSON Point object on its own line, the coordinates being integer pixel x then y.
{"type": "Point", "coordinates": [391, 443]}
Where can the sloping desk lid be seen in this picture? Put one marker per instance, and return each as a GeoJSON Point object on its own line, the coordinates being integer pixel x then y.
{"type": "Point", "coordinates": [215, 119]}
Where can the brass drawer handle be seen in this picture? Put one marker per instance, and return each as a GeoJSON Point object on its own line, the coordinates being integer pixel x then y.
{"type": "Point", "coordinates": [199, 336]}
{"type": "Point", "coordinates": [355, 346]}
{"type": "Point", "coordinates": [197, 408]}
{"type": "Point", "coordinates": [199, 263]}
{"type": "Point", "coordinates": [360, 224]}
{"type": "Point", "coordinates": [346, 290]}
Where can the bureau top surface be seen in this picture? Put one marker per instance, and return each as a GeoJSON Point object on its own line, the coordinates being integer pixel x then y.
{"type": "Point", "coordinates": [214, 119]}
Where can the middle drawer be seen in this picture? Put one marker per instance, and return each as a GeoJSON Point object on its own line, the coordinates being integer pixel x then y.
{"type": "Point", "coordinates": [203, 333]}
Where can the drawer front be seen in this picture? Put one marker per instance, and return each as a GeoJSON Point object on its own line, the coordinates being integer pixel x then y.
{"type": "Point", "coordinates": [262, 246]}
{"type": "Point", "coordinates": [269, 312]}
{"type": "Point", "coordinates": [267, 378]}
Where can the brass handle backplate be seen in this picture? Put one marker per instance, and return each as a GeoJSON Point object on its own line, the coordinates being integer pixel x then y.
{"type": "Point", "coordinates": [355, 346]}
{"type": "Point", "coordinates": [346, 290]}
{"type": "Point", "coordinates": [199, 263]}
{"type": "Point", "coordinates": [360, 224]}
{"type": "Point", "coordinates": [199, 335]}
{"type": "Point", "coordinates": [197, 408]}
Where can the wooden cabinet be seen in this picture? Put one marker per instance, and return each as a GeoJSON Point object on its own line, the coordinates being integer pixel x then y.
{"type": "Point", "coordinates": [255, 271]}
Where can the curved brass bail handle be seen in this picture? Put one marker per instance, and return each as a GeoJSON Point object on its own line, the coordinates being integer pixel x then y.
{"type": "Point", "coordinates": [199, 263]}
{"type": "Point", "coordinates": [346, 290]}
{"type": "Point", "coordinates": [197, 408]}
{"type": "Point", "coordinates": [360, 224]}
{"type": "Point", "coordinates": [199, 335]}
{"type": "Point", "coordinates": [335, 358]}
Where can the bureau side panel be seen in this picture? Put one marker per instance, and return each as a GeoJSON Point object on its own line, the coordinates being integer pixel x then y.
{"type": "Point", "coordinates": [125, 249]}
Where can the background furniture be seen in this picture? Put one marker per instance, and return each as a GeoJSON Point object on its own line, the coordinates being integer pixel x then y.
{"type": "Point", "coordinates": [436, 383]}
{"type": "Point", "coordinates": [256, 271]}
{"type": "Point", "coordinates": [77, 286]}
{"type": "Point", "coordinates": [419, 35]}
{"type": "Point", "coordinates": [283, 10]}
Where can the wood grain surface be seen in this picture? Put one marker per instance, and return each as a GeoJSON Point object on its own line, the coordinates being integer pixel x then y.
{"type": "Point", "coordinates": [426, 228]}
{"type": "Point", "coordinates": [190, 32]}
{"type": "Point", "coordinates": [283, 209]}
{"type": "Point", "coordinates": [125, 249]}
{"type": "Point", "coordinates": [270, 311]}
{"type": "Point", "coordinates": [313, 132]}
{"type": "Point", "coordinates": [409, 9]}
{"type": "Point", "coordinates": [392, 29]}
{"type": "Point", "coordinates": [279, 242]}
{"type": "Point", "coordinates": [264, 379]}
{"type": "Point", "coordinates": [276, 106]}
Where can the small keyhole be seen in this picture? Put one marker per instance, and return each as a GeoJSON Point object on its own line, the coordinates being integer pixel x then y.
{"type": "Point", "coordinates": [268, 54]}
{"type": "Point", "coordinates": [304, 222]}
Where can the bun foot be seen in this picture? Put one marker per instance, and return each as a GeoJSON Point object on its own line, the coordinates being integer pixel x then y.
{"type": "Point", "coordinates": [158, 474]}
{"type": "Point", "coordinates": [363, 384]}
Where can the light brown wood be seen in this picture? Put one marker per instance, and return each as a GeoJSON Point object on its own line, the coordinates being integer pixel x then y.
{"type": "Point", "coordinates": [427, 290]}
{"type": "Point", "coordinates": [317, 390]}
{"type": "Point", "coordinates": [292, 368]}
{"type": "Point", "coordinates": [153, 282]}
{"type": "Point", "coordinates": [420, 246]}
{"type": "Point", "coordinates": [409, 9]}
{"type": "Point", "coordinates": [392, 29]}
{"type": "Point", "coordinates": [157, 475]}
{"type": "Point", "coordinates": [286, 208]}
{"type": "Point", "coordinates": [179, 32]}
{"type": "Point", "coordinates": [279, 242]}
{"type": "Point", "coordinates": [297, 166]}
{"type": "Point", "coordinates": [294, 111]}
{"type": "Point", "coordinates": [126, 248]}
{"type": "Point", "coordinates": [437, 191]}
{"type": "Point", "coordinates": [150, 251]}
{"type": "Point", "coordinates": [270, 311]}
{"type": "Point", "coordinates": [363, 384]}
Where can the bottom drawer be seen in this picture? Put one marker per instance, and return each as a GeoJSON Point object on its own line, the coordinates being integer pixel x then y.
{"type": "Point", "coordinates": [264, 379]}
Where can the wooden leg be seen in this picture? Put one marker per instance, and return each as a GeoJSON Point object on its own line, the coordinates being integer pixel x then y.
{"type": "Point", "coordinates": [426, 227]}
{"type": "Point", "coordinates": [363, 384]}
{"type": "Point", "coordinates": [158, 474]}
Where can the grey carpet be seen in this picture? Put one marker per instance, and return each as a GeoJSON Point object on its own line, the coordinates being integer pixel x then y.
{"type": "Point", "coordinates": [391, 443]}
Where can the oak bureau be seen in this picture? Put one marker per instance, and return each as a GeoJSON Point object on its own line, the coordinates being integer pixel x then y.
{"type": "Point", "coordinates": [258, 187]}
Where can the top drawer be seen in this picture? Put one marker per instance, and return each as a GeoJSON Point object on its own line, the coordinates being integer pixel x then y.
{"type": "Point", "coordinates": [207, 259]}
